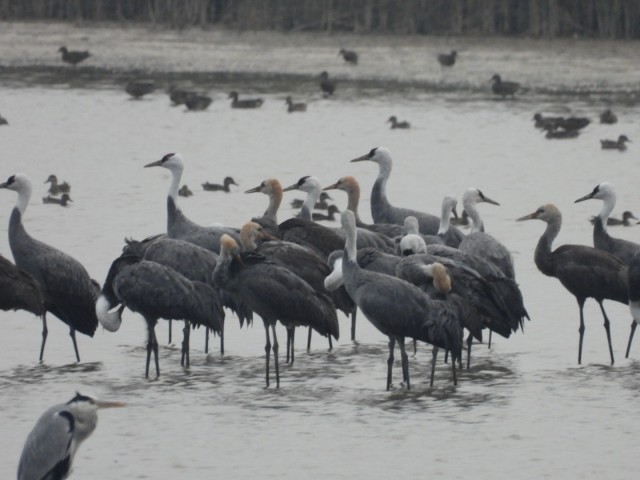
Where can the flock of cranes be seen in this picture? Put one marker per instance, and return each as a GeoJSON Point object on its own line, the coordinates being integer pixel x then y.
{"type": "Point", "coordinates": [411, 274]}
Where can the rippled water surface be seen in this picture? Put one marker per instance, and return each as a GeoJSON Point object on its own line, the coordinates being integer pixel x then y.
{"type": "Point", "coordinates": [524, 410]}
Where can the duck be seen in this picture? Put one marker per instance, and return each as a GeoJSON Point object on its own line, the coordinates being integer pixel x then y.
{"type": "Point", "coordinates": [349, 56]}
{"type": "Point", "coordinates": [73, 56]}
{"type": "Point", "coordinates": [560, 133]}
{"type": "Point", "coordinates": [140, 87]}
{"type": "Point", "coordinates": [615, 144]}
{"type": "Point", "coordinates": [216, 187]}
{"type": "Point", "coordinates": [197, 102]}
{"type": "Point", "coordinates": [185, 191]}
{"type": "Point", "coordinates": [246, 103]}
{"type": "Point", "coordinates": [447, 59]}
{"type": "Point", "coordinates": [625, 221]}
{"type": "Point", "coordinates": [63, 200]}
{"type": "Point", "coordinates": [608, 117]}
{"type": "Point", "coordinates": [542, 121]}
{"type": "Point", "coordinates": [56, 188]}
{"type": "Point", "coordinates": [574, 123]}
{"type": "Point", "coordinates": [503, 88]}
{"type": "Point", "coordinates": [396, 124]}
{"type": "Point", "coordinates": [295, 107]}
{"type": "Point", "coordinates": [330, 216]}
{"type": "Point", "coordinates": [327, 86]}
{"type": "Point", "coordinates": [178, 96]}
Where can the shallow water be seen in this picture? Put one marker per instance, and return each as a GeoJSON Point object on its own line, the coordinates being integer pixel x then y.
{"type": "Point", "coordinates": [524, 410]}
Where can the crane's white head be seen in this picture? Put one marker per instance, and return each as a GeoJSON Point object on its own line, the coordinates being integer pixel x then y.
{"type": "Point", "coordinates": [306, 184]}
{"type": "Point", "coordinates": [108, 318]}
{"type": "Point", "coordinates": [474, 195]}
{"type": "Point", "coordinates": [411, 225]}
{"type": "Point", "coordinates": [412, 244]}
{"type": "Point", "coordinates": [604, 191]}
{"type": "Point", "coordinates": [19, 183]}
{"type": "Point", "coordinates": [335, 279]}
{"type": "Point", "coordinates": [380, 155]}
{"type": "Point", "coordinates": [171, 161]}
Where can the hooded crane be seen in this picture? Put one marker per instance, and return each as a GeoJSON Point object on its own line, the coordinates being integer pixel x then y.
{"type": "Point", "coordinates": [50, 448]}
{"type": "Point", "coordinates": [178, 225]}
{"type": "Point", "coordinates": [622, 249]}
{"type": "Point", "coordinates": [275, 293]}
{"type": "Point", "coordinates": [633, 281]}
{"type": "Point", "coordinates": [585, 271]}
{"type": "Point", "coordinates": [366, 238]}
{"type": "Point", "coordinates": [302, 261]}
{"type": "Point", "coordinates": [383, 212]}
{"type": "Point", "coordinates": [68, 290]}
{"type": "Point", "coordinates": [155, 291]}
{"type": "Point", "coordinates": [19, 290]}
{"type": "Point", "coordinates": [397, 308]}
{"type": "Point", "coordinates": [195, 263]}
{"type": "Point", "coordinates": [272, 188]}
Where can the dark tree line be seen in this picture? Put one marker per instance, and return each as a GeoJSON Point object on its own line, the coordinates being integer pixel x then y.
{"type": "Point", "coordinates": [537, 18]}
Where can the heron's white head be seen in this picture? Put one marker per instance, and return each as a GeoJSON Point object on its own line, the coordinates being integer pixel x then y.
{"type": "Point", "coordinates": [84, 410]}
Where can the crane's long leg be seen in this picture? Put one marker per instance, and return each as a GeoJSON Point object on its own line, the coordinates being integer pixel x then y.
{"type": "Point", "coordinates": [415, 346]}
{"type": "Point", "coordinates": [45, 332]}
{"type": "Point", "coordinates": [222, 336]}
{"type": "Point", "coordinates": [152, 345]}
{"type": "Point", "coordinates": [275, 354]}
{"type": "Point", "coordinates": [291, 336]}
{"type": "Point", "coordinates": [330, 342]}
{"type": "Point", "coordinates": [405, 363]}
{"type": "Point", "coordinates": [607, 327]}
{"type": "Point", "coordinates": [206, 340]}
{"type": "Point", "coordinates": [392, 344]}
{"type": "Point", "coordinates": [72, 334]}
{"type": "Point", "coordinates": [455, 376]}
{"type": "Point", "coordinates": [633, 330]}
{"type": "Point", "coordinates": [353, 324]}
{"type": "Point", "coordinates": [267, 349]}
{"type": "Point", "coordinates": [581, 330]}
{"type": "Point", "coordinates": [309, 340]}
{"type": "Point", "coordinates": [170, 325]}
{"type": "Point", "coordinates": [184, 360]}
{"type": "Point", "coordinates": [489, 341]}
{"type": "Point", "coordinates": [469, 342]}
{"type": "Point", "coordinates": [433, 365]}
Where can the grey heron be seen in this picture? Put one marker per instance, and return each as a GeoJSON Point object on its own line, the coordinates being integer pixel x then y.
{"type": "Point", "coordinates": [51, 446]}
{"type": "Point", "coordinates": [69, 291]}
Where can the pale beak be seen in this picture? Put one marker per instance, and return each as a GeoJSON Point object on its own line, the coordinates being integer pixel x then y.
{"type": "Point", "coordinates": [105, 404]}
{"type": "Point", "coordinates": [586, 197]}
{"type": "Point", "coordinates": [254, 190]}
{"type": "Point", "coordinates": [531, 216]}
{"type": "Point", "coordinates": [361, 159]}
{"type": "Point", "coordinates": [290, 187]}
{"type": "Point", "coordinates": [153, 164]}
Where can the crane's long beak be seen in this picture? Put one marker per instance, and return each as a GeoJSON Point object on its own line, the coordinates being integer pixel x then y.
{"type": "Point", "coordinates": [290, 187]}
{"type": "Point", "coordinates": [362, 158]}
{"type": "Point", "coordinates": [254, 189]}
{"type": "Point", "coordinates": [531, 216]}
{"type": "Point", "coordinates": [586, 197]}
{"type": "Point", "coordinates": [106, 404]}
{"type": "Point", "coordinates": [4, 184]}
{"type": "Point", "coordinates": [331, 187]}
{"type": "Point", "coordinates": [488, 200]}
{"type": "Point", "coordinates": [153, 164]}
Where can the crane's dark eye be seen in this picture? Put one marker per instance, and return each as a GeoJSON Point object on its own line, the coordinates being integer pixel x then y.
{"type": "Point", "coordinates": [167, 157]}
{"type": "Point", "coordinates": [540, 210]}
{"type": "Point", "coordinates": [263, 184]}
{"type": "Point", "coordinates": [596, 190]}
{"type": "Point", "coordinates": [372, 152]}
{"type": "Point", "coordinates": [302, 180]}
{"type": "Point", "coordinates": [11, 179]}
{"type": "Point", "coordinates": [481, 194]}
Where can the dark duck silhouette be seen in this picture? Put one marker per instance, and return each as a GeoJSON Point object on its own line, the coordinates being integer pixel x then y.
{"type": "Point", "coordinates": [196, 102]}
{"type": "Point", "coordinates": [245, 103]}
{"type": "Point", "coordinates": [330, 216]}
{"type": "Point", "coordinates": [608, 117]}
{"type": "Point", "coordinates": [327, 85]}
{"type": "Point", "coordinates": [349, 56]}
{"type": "Point", "coordinates": [140, 87]}
{"type": "Point", "coordinates": [63, 200]}
{"type": "Point", "coordinates": [396, 124]}
{"type": "Point", "coordinates": [615, 144]}
{"type": "Point", "coordinates": [185, 191]}
{"type": "Point", "coordinates": [3, 121]}
{"type": "Point", "coordinates": [73, 56]}
{"type": "Point", "coordinates": [503, 88]}
{"type": "Point", "coordinates": [178, 96]}
{"type": "Point", "coordinates": [559, 133]}
{"type": "Point", "coordinates": [543, 122]}
{"type": "Point", "coordinates": [295, 107]}
{"type": "Point", "coordinates": [57, 188]}
{"type": "Point", "coordinates": [216, 187]}
{"type": "Point", "coordinates": [447, 59]}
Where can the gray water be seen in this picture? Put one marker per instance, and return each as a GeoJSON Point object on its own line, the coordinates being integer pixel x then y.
{"type": "Point", "coordinates": [524, 410]}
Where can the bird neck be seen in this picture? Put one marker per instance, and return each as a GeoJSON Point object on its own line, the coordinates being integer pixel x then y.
{"type": "Point", "coordinates": [309, 203]}
{"type": "Point", "coordinates": [379, 191]}
{"type": "Point", "coordinates": [543, 249]}
{"type": "Point", "coordinates": [353, 199]}
{"type": "Point", "coordinates": [247, 239]}
{"type": "Point", "coordinates": [24, 195]}
{"type": "Point", "coordinates": [476, 221]}
{"type": "Point", "coordinates": [176, 175]}
{"type": "Point", "coordinates": [275, 199]}
{"type": "Point", "coordinates": [445, 218]}
{"type": "Point", "coordinates": [608, 204]}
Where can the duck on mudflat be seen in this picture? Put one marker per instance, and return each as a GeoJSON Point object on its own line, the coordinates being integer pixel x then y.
{"type": "Point", "coordinates": [615, 144]}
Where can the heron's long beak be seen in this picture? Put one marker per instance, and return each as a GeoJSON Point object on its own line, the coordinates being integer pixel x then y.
{"type": "Point", "coordinates": [332, 187]}
{"type": "Point", "coordinates": [362, 158]}
{"type": "Point", "coordinates": [290, 187]}
{"type": "Point", "coordinates": [153, 164]}
{"type": "Point", "coordinates": [254, 190]}
{"type": "Point", "coordinates": [531, 216]}
{"type": "Point", "coordinates": [586, 197]}
{"type": "Point", "coordinates": [106, 404]}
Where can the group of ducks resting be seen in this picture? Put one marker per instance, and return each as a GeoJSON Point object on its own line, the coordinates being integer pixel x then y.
{"type": "Point", "coordinates": [56, 189]}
